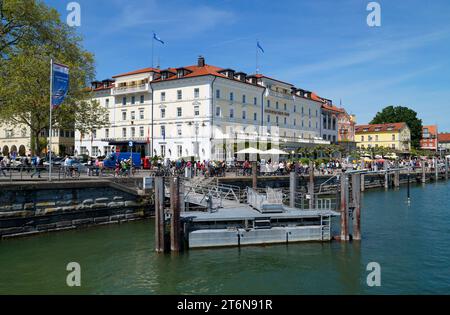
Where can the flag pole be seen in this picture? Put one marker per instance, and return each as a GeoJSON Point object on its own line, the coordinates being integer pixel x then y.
{"type": "Point", "coordinates": [257, 70]}
{"type": "Point", "coordinates": [50, 127]}
{"type": "Point", "coordinates": [153, 43]}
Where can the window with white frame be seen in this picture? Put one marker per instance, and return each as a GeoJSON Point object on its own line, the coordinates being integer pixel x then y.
{"type": "Point", "coordinates": [231, 96]}
{"type": "Point", "coordinates": [124, 132]}
{"type": "Point", "coordinates": [124, 116]}
{"type": "Point", "coordinates": [196, 93]}
{"type": "Point", "coordinates": [133, 115]}
{"type": "Point", "coordinates": [179, 131]}
{"type": "Point", "coordinates": [141, 131]}
{"type": "Point", "coordinates": [141, 114]}
{"type": "Point", "coordinates": [179, 112]}
{"type": "Point", "coordinates": [196, 110]}
{"type": "Point", "coordinates": [163, 113]}
{"type": "Point", "coordinates": [217, 111]}
{"type": "Point", "coordinates": [133, 132]}
{"type": "Point", "coordinates": [179, 94]}
{"type": "Point", "coordinates": [179, 150]}
{"type": "Point", "coordinates": [163, 96]}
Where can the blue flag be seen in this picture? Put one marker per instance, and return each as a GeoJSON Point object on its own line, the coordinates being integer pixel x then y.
{"type": "Point", "coordinates": [60, 83]}
{"type": "Point", "coordinates": [259, 46]}
{"type": "Point", "coordinates": [157, 38]}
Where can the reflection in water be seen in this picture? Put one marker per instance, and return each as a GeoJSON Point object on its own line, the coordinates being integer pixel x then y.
{"type": "Point", "coordinates": [411, 243]}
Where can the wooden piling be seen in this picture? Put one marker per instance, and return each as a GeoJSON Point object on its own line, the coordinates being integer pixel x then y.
{"type": "Point", "coordinates": [397, 179]}
{"type": "Point", "coordinates": [292, 189]}
{"type": "Point", "coordinates": [386, 175]}
{"type": "Point", "coordinates": [159, 215]}
{"type": "Point", "coordinates": [356, 192]}
{"type": "Point", "coordinates": [363, 181]}
{"type": "Point", "coordinates": [424, 178]}
{"type": "Point", "coordinates": [436, 170]}
{"type": "Point", "coordinates": [343, 208]}
{"type": "Point", "coordinates": [175, 226]}
{"type": "Point", "coordinates": [446, 168]}
{"type": "Point", "coordinates": [254, 175]}
{"type": "Point", "coordinates": [311, 185]}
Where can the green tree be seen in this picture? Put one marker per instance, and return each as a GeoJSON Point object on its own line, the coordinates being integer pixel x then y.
{"type": "Point", "coordinates": [24, 80]}
{"type": "Point", "coordinates": [397, 114]}
{"type": "Point", "coordinates": [23, 21]}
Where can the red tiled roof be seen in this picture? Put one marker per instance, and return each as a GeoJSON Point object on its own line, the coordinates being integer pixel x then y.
{"type": "Point", "coordinates": [382, 127]}
{"type": "Point", "coordinates": [444, 137]}
{"type": "Point", "coordinates": [332, 108]}
{"type": "Point", "coordinates": [137, 72]}
{"type": "Point", "coordinates": [196, 71]}
{"type": "Point", "coordinates": [432, 129]}
{"type": "Point", "coordinates": [259, 75]}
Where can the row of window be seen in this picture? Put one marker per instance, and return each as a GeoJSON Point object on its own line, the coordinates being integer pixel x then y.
{"type": "Point", "coordinates": [393, 146]}
{"type": "Point", "coordinates": [370, 138]}
{"type": "Point", "coordinates": [180, 94]}
{"type": "Point", "coordinates": [133, 115]}
{"type": "Point", "coordinates": [125, 100]}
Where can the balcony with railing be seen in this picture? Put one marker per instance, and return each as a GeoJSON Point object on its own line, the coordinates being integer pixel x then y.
{"type": "Point", "coordinates": [128, 89]}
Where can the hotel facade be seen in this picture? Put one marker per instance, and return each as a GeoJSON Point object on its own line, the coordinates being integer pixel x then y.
{"type": "Point", "coordinates": [396, 136]}
{"type": "Point", "coordinates": [206, 112]}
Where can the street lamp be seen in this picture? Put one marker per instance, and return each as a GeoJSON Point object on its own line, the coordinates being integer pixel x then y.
{"type": "Point", "coordinates": [196, 141]}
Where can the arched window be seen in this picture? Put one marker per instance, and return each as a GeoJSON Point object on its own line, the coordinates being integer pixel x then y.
{"type": "Point", "coordinates": [13, 149]}
{"type": "Point", "coordinates": [5, 150]}
{"type": "Point", "coordinates": [22, 150]}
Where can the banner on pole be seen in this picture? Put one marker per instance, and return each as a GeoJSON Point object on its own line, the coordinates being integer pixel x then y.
{"type": "Point", "coordinates": [60, 84]}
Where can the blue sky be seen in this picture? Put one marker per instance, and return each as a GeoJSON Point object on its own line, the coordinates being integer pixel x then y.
{"type": "Point", "coordinates": [321, 45]}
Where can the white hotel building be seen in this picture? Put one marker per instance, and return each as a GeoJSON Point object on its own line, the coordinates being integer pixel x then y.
{"type": "Point", "coordinates": [205, 112]}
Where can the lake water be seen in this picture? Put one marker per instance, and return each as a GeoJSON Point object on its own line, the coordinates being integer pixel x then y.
{"type": "Point", "coordinates": [411, 244]}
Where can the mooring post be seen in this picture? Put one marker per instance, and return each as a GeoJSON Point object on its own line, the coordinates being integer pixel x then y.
{"type": "Point", "coordinates": [181, 197]}
{"type": "Point", "coordinates": [397, 178]}
{"type": "Point", "coordinates": [356, 194]}
{"type": "Point", "coordinates": [408, 190]}
{"type": "Point", "coordinates": [159, 215]}
{"type": "Point", "coordinates": [175, 214]}
{"type": "Point", "coordinates": [344, 210]}
{"type": "Point", "coordinates": [436, 169]}
{"type": "Point", "coordinates": [292, 188]}
{"type": "Point", "coordinates": [363, 180]}
{"type": "Point", "coordinates": [311, 185]}
{"type": "Point", "coordinates": [386, 175]}
{"type": "Point", "coordinates": [446, 168]}
{"type": "Point", "coordinates": [424, 178]}
{"type": "Point", "coordinates": [254, 175]}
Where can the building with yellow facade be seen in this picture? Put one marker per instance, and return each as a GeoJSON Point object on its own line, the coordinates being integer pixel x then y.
{"type": "Point", "coordinates": [395, 136]}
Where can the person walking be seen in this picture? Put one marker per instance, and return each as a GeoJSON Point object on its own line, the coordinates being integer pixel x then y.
{"type": "Point", "coordinates": [37, 166]}
{"type": "Point", "coordinates": [3, 166]}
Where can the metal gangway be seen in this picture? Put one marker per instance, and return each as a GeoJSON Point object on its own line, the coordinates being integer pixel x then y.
{"type": "Point", "coordinates": [210, 196]}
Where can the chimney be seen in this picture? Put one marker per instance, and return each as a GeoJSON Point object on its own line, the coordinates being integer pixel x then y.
{"type": "Point", "coordinates": [201, 61]}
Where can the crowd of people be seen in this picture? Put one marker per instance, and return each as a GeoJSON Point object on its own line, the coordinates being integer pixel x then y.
{"type": "Point", "coordinates": [34, 165]}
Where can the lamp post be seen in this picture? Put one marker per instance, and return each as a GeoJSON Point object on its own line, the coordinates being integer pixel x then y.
{"type": "Point", "coordinates": [197, 155]}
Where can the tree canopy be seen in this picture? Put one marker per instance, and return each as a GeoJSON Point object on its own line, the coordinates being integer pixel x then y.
{"type": "Point", "coordinates": [391, 114]}
{"type": "Point", "coordinates": [25, 72]}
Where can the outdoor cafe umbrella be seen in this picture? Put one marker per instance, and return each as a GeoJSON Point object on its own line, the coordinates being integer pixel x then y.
{"type": "Point", "coordinates": [250, 151]}
{"type": "Point", "coordinates": [276, 152]}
